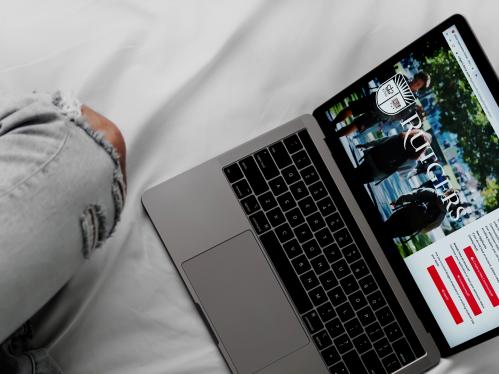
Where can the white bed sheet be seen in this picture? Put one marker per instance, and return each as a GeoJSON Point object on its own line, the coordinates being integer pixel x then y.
{"type": "Point", "coordinates": [187, 80]}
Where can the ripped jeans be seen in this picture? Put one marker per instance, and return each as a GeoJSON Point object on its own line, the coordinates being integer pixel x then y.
{"type": "Point", "coordinates": [61, 195]}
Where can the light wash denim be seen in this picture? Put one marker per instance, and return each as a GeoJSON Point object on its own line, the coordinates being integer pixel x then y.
{"type": "Point", "coordinates": [61, 195]}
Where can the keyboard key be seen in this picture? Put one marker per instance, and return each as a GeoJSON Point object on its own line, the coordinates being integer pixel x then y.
{"type": "Point", "coordinates": [328, 280]}
{"type": "Point", "coordinates": [324, 237]}
{"type": "Point", "coordinates": [368, 284]}
{"type": "Point", "coordinates": [266, 164]}
{"type": "Point", "coordinates": [349, 284]}
{"type": "Point", "coordinates": [241, 188]}
{"type": "Point", "coordinates": [301, 264]}
{"type": "Point", "coordinates": [284, 232]}
{"type": "Point", "coordinates": [338, 368]}
{"type": "Point", "coordinates": [330, 356]}
{"type": "Point", "coordinates": [318, 296]}
{"type": "Point", "coordinates": [362, 343]}
{"type": "Point", "coordinates": [290, 174]}
{"type": "Point", "coordinates": [366, 315]}
{"type": "Point", "coordinates": [354, 327]}
{"type": "Point", "coordinates": [301, 159]}
{"type": "Point", "coordinates": [391, 363]}
{"type": "Point", "coordinates": [307, 206]}
{"type": "Point", "coordinates": [372, 362]}
{"type": "Point", "coordinates": [340, 269]}
{"type": "Point", "coordinates": [343, 344]}
{"type": "Point", "coordinates": [376, 300]}
{"type": "Point", "coordinates": [384, 316]}
{"type": "Point", "coordinates": [357, 300]}
{"type": "Point", "coordinates": [383, 347]}
{"type": "Point", "coordinates": [253, 175]}
{"type": "Point", "coordinates": [319, 264]}
{"type": "Point", "coordinates": [309, 280]}
{"type": "Point", "coordinates": [293, 144]}
{"type": "Point", "coordinates": [298, 190]}
{"type": "Point", "coordinates": [335, 327]}
{"type": "Point", "coordinates": [250, 204]}
{"type": "Point", "coordinates": [393, 331]}
{"type": "Point", "coordinates": [303, 233]}
{"type": "Point", "coordinates": [317, 190]}
{"type": "Point", "coordinates": [267, 201]}
{"type": "Point", "coordinates": [315, 221]}
{"type": "Point", "coordinates": [278, 186]}
{"type": "Point", "coordinates": [326, 311]}
{"type": "Point", "coordinates": [295, 217]}
{"type": "Point", "coordinates": [343, 237]}
{"type": "Point", "coordinates": [403, 351]}
{"type": "Point", "coordinates": [374, 331]}
{"type": "Point", "coordinates": [309, 175]}
{"type": "Point", "coordinates": [332, 253]}
{"type": "Point", "coordinates": [337, 296]}
{"type": "Point", "coordinates": [260, 222]}
{"type": "Point", "coordinates": [292, 248]}
{"type": "Point", "coordinates": [280, 154]}
{"type": "Point", "coordinates": [345, 312]}
{"type": "Point", "coordinates": [334, 222]}
{"type": "Point", "coordinates": [353, 363]}
{"type": "Point", "coordinates": [326, 206]}
{"type": "Point", "coordinates": [275, 217]}
{"type": "Point", "coordinates": [351, 253]}
{"type": "Point", "coordinates": [233, 173]}
{"type": "Point", "coordinates": [312, 322]}
{"type": "Point", "coordinates": [286, 272]}
{"type": "Point", "coordinates": [286, 201]}
{"type": "Point", "coordinates": [359, 269]}
{"type": "Point", "coordinates": [322, 340]}
{"type": "Point", "coordinates": [311, 248]}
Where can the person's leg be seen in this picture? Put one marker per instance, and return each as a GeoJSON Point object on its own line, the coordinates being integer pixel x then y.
{"type": "Point", "coordinates": [111, 132]}
{"type": "Point", "coordinates": [404, 221]}
{"type": "Point", "coordinates": [395, 226]}
{"type": "Point", "coordinates": [61, 195]}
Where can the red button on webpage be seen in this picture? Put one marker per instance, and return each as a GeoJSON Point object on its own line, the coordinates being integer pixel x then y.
{"type": "Point", "coordinates": [445, 294]}
{"type": "Point", "coordinates": [458, 276]}
{"type": "Point", "coordinates": [482, 277]}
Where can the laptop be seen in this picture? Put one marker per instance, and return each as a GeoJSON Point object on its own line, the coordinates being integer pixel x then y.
{"type": "Point", "coordinates": [363, 238]}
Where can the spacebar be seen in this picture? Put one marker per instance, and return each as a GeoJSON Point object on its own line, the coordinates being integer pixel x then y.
{"type": "Point", "coordinates": [286, 272]}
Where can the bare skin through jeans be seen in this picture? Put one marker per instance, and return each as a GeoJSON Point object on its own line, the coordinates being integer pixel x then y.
{"type": "Point", "coordinates": [62, 190]}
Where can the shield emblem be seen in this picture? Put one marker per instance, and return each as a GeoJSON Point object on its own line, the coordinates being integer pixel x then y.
{"type": "Point", "coordinates": [394, 95]}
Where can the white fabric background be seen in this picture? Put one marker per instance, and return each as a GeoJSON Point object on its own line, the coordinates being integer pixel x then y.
{"type": "Point", "coordinates": [187, 80]}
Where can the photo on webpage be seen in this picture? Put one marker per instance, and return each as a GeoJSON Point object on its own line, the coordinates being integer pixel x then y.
{"type": "Point", "coordinates": [421, 145]}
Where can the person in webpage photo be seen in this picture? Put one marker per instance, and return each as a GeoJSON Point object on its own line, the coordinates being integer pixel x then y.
{"type": "Point", "coordinates": [62, 190]}
{"type": "Point", "coordinates": [383, 157]}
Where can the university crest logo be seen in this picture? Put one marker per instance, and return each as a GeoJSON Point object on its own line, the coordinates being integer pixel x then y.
{"type": "Point", "coordinates": [394, 95]}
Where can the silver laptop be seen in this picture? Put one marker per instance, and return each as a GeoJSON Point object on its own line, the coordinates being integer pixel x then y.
{"type": "Point", "coordinates": [353, 240]}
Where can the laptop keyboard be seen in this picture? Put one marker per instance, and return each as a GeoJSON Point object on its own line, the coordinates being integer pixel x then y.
{"type": "Point", "coordinates": [299, 216]}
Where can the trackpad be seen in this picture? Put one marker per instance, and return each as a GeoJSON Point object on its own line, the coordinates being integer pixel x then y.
{"type": "Point", "coordinates": [243, 300]}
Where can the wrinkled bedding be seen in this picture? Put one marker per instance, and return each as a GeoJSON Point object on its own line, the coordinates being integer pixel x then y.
{"type": "Point", "coordinates": [187, 80]}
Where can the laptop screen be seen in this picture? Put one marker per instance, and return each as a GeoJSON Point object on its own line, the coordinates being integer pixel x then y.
{"type": "Point", "coordinates": [419, 137]}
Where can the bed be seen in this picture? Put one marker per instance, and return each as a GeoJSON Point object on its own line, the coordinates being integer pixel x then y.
{"type": "Point", "coordinates": [187, 80]}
